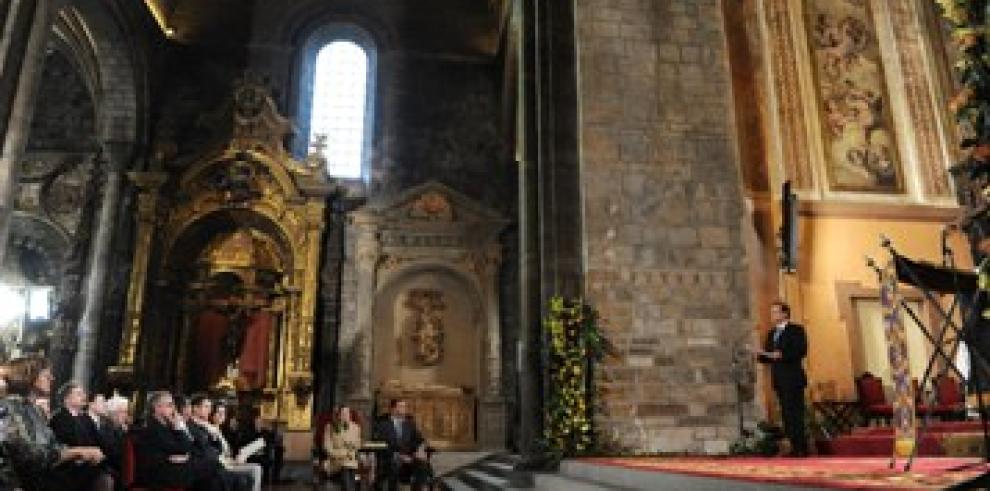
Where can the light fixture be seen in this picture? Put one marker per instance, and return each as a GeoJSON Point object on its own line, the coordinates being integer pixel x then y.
{"type": "Point", "coordinates": [158, 12]}
{"type": "Point", "coordinates": [12, 304]}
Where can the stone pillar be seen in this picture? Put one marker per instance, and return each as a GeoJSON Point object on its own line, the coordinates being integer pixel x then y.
{"type": "Point", "coordinates": [558, 168]}
{"type": "Point", "coordinates": [492, 414]}
{"type": "Point", "coordinates": [24, 28]}
{"type": "Point", "coordinates": [662, 208]}
{"type": "Point", "coordinates": [355, 343]}
{"type": "Point", "coordinates": [549, 189]}
{"type": "Point", "coordinates": [88, 332]}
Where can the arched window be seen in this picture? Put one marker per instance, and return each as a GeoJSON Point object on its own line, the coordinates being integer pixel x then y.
{"type": "Point", "coordinates": [337, 98]}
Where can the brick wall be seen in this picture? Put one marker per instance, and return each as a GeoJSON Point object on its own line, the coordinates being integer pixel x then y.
{"type": "Point", "coordinates": [662, 219]}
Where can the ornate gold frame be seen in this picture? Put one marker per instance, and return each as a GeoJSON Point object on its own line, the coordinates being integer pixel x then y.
{"type": "Point", "coordinates": [288, 194]}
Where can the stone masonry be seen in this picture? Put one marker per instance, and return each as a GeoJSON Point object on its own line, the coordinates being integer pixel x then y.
{"type": "Point", "coordinates": [664, 257]}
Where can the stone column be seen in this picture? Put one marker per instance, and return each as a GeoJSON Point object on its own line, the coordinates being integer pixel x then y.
{"type": "Point", "coordinates": [88, 332]}
{"type": "Point", "coordinates": [355, 346]}
{"type": "Point", "coordinates": [492, 411]}
{"type": "Point", "coordinates": [24, 28]}
{"type": "Point", "coordinates": [527, 350]}
{"type": "Point", "coordinates": [549, 188]}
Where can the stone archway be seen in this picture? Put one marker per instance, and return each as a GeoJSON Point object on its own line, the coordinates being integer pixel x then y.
{"type": "Point", "coordinates": [429, 335]}
{"type": "Point", "coordinates": [433, 240]}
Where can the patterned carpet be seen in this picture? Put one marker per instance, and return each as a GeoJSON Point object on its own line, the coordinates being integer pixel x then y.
{"type": "Point", "coordinates": [827, 472]}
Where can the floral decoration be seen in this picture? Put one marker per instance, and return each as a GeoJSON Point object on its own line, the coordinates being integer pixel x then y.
{"type": "Point", "coordinates": [575, 343]}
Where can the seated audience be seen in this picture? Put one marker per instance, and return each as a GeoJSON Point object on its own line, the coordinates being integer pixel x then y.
{"type": "Point", "coordinates": [113, 430]}
{"type": "Point", "coordinates": [210, 445]}
{"type": "Point", "coordinates": [271, 459]}
{"type": "Point", "coordinates": [233, 431]}
{"type": "Point", "coordinates": [406, 458]}
{"type": "Point", "coordinates": [44, 405]}
{"type": "Point", "coordinates": [233, 462]}
{"type": "Point", "coordinates": [118, 412]}
{"type": "Point", "coordinates": [29, 444]}
{"type": "Point", "coordinates": [165, 451]}
{"type": "Point", "coordinates": [341, 441]}
{"type": "Point", "coordinates": [74, 427]}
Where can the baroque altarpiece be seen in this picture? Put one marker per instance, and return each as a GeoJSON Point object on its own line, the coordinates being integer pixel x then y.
{"type": "Point", "coordinates": [223, 284]}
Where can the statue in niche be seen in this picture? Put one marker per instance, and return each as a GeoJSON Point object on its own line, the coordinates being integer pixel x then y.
{"type": "Point", "coordinates": [427, 308]}
{"type": "Point", "coordinates": [236, 317]}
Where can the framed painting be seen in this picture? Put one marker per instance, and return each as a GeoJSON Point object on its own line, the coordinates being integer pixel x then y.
{"type": "Point", "coordinates": [857, 126]}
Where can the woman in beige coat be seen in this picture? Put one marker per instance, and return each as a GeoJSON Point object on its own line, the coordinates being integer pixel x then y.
{"type": "Point", "coordinates": [342, 440]}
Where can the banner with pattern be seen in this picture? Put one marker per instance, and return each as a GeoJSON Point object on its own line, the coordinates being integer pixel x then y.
{"type": "Point", "coordinates": [897, 354]}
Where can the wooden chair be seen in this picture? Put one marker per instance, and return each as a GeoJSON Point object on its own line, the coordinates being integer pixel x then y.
{"type": "Point", "coordinates": [872, 400]}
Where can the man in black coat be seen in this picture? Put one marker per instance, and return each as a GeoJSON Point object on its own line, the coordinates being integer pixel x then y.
{"type": "Point", "coordinates": [785, 348]}
{"type": "Point", "coordinates": [74, 428]}
{"type": "Point", "coordinates": [166, 452]}
{"type": "Point", "coordinates": [406, 455]}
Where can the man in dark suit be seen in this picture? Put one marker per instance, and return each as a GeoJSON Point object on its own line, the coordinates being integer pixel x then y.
{"type": "Point", "coordinates": [166, 452]}
{"type": "Point", "coordinates": [785, 348]}
{"type": "Point", "coordinates": [406, 455]}
{"type": "Point", "coordinates": [73, 427]}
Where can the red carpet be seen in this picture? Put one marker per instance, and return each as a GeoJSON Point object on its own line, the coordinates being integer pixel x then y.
{"type": "Point", "coordinates": [826, 472]}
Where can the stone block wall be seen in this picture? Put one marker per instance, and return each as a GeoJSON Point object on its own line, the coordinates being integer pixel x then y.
{"type": "Point", "coordinates": [662, 202]}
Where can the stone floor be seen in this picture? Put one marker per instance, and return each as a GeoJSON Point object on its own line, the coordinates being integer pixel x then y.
{"type": "Point", "coordinates": [298, 476]}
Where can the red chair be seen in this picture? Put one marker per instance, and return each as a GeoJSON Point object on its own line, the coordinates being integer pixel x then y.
{"type": "Point", "coordinates": [949, 401]}
{"type": "Point", "coordinates": [872, 401]}
{"type": "Point", "coordinates": [128, 469]}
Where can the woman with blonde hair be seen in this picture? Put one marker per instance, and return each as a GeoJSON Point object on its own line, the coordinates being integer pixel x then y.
{"type": "Point", "coordinates": [342, 440]}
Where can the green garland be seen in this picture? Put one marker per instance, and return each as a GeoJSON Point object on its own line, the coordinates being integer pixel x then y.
{"type": "Point", "coordinates": [575, 344]}
{"type": "Point", "coordinates": [971, 105]}
{"type": "Point", "coordinates": [970, 21]}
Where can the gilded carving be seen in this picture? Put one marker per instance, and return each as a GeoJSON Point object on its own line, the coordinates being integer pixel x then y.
{"type": "Point", "coordinates": [917, 87]}
{"type": "Point", "coordinates": [784, 64]}
{"type": "Point", "coordinates": [253, 182]}
{"type": "Point", "coordinates": [148, 184]}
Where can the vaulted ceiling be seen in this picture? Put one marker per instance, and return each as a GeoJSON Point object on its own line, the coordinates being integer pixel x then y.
{"type": "Point", "coordinates": [452, 27]}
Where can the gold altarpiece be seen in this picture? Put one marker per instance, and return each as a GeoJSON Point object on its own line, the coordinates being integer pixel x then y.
{"type": "Point", "coordinates": [243, 210]}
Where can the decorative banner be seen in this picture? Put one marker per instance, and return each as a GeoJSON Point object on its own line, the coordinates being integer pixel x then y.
{"type": "Point", "coordinates": [897, 353]}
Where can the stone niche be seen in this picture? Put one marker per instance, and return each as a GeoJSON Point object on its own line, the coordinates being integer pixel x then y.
{"type": "Point", "coordinates": [423, 323]}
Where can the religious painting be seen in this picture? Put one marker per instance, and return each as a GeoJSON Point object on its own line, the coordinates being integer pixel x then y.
{"type": "Point", "coordinates": [426, 311]}
{"type": "Point", "coordinates": [857, 127]}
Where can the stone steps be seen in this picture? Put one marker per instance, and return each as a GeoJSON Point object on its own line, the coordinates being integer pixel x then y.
{"type": "Point", "coordinates": [495, 472]}
{"type": "Point", "coordinates": [500, 472]}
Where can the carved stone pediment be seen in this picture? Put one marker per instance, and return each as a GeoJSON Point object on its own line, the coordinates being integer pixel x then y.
{"type": "Point", "coordinates": [432, 215]}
